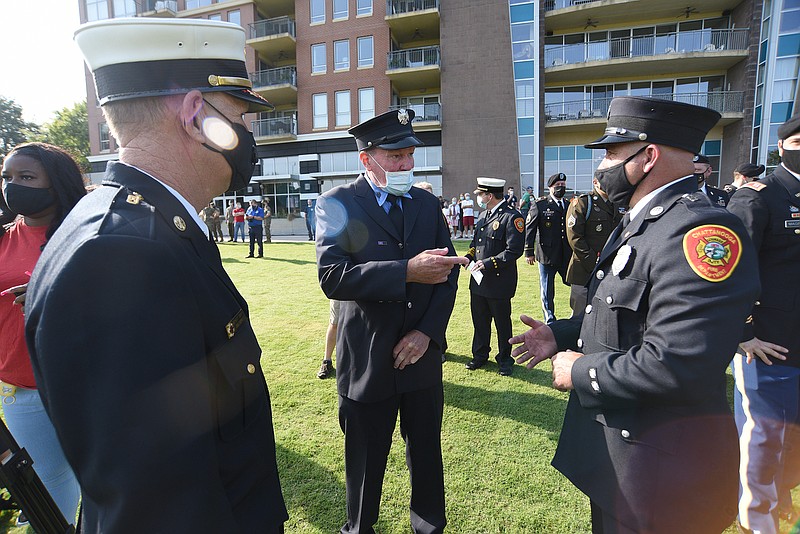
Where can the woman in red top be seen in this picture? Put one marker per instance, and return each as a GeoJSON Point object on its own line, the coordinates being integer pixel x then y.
{"type": "Point", "coordinates": [41, 183]}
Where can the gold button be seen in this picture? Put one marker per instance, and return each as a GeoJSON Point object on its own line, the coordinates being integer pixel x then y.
{"type": "Point", "coordinates": [797, 231]}
{"type": "Point", "coordinates": [251, 368]}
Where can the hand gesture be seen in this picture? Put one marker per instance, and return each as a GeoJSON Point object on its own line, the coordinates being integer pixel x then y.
{"type": "Point", "coordinates": [432, 266]}
{"type": "Point", "coordinates": [538, 343]}
{"type": "Point", "coordinates": [763, 349]}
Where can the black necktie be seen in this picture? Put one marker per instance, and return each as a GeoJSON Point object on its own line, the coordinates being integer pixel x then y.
{"type": "Point", "coordinates": [395, 213]}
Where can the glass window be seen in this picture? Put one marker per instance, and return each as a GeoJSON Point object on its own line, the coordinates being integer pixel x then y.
{"type": "Point", "coordinates": [524, 89]}
{"type": "Point", "coordinates": [786, 68]}
{"type": "Point", "coordinates": [781, 112]}
{"type": "Point", "coordinates": [551, 153]}
{"type": "Point", "coordinates": [96, 10]}
{"type": "Point", "coordinates": [783, 90]}
{"type": "Point", "coordinates": [566, 153]}
{"type": "Point", "coordinates": [789, 45]}
{"type": "Point", "coordinates": [522, 13]}
{"type": "Point", "coordinates": [366, 56]}
{"type": "Point", "coordinates": [317, 11]}
{"type": "Point", "coordinates": [215, 16]}
{"type": "Point", "coordinates": [526, 126]}
{"type": "Point", "coordinates": [364, 7]}
{"type": "Point", "coordinates": [340, 9]}
{"type": "Point", "coordinates": [341, 55]}
{"type": "Point", "coordinates": [318, 61]}
{"type": "Point", "coordinates": [790, 22]}
{"type": "Point", "coordinates": [192, 4]}
{"type": "Point", "coordinates": [235, 16]}
{"type": "Point", "coordinates": [523, 69]}
{"type": "Point", "coordinates": [712, 148]}
{"type": "Point", "coordinates": [105, 138]}
{"type": "Point", "coordinates": [366, 104]}
{"type": "Point", "coordinates": [320, 101]}
{"type": "Point", "coordinates": [342, 108]}
{"type": "Point", "coordinates": [527, 145]}
{"type": "Point", "coordinates": [124, 8]}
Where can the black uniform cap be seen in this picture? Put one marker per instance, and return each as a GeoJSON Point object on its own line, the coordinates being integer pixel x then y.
{"type": "Point", "coordinates": [751, 170]}
{"type": "Point", "coordinates": [790, 127]}
{"type": "Point", "coordinates": [657, 121]}
{"type": "Point", "coordinates": [390, 131]}
{"type": "Point", "coordinates": [699, 158]}
{"type": "Point", "coordinates": [557, 177]}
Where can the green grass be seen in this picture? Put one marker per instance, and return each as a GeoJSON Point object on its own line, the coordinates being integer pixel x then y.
{"type": "Point", "coordinates": [499, 434]}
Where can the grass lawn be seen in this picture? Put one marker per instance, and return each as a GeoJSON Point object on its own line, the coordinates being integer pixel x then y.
{"type": "Point", "coordinates": [499, 433]}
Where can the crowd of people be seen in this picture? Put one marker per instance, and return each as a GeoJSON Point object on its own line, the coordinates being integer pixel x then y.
{"type": "Point", "coordinates": [672, 281]}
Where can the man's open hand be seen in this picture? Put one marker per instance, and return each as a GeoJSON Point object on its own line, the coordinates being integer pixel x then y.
{"type": "Point", "coordinates": [538, 343]}
{"type": "Point", "coordinates": [432, 266]}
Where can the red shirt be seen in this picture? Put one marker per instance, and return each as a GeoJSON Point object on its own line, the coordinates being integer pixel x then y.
{"type": "Point", "coordinates": [238, 214]}
{"type": "Point", "coordinates": [20, 248]}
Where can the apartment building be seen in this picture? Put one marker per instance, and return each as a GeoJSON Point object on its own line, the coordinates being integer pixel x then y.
{"type": "Point", "coordinates": [503, 88]}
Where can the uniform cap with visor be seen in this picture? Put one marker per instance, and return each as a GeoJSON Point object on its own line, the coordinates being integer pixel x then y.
{"type": "Point", "coordinates": [138, 57]}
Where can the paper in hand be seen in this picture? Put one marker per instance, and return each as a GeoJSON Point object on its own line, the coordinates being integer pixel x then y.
{"type": "Point", "coordinates": [476, 274]}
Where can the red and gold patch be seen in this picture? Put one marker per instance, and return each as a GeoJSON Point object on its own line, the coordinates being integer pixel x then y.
{"type": "Point", "coordinates": [757, 186]}
{"type": "Point", "coordinates": [713, 251]}
{"type": "Point", "coordinates": [519, 224]}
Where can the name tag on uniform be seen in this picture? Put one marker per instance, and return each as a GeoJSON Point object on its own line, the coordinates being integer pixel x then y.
{"type": "Point", "coordinates": [791, 224]}
{"type": "Point", "coordinates": [382, 243]}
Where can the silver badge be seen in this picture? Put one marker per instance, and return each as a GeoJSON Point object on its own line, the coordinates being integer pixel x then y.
{"type": "Point", "coordinates": [621, 259]}
{"type": "Point", "coordinates": [658, 210]}
{"type": "Point", "coordinates": [402, 116]}
{"type": "Point", "coordinates": [599, 228]}
{"type": "Point", "coordinates": [179, 223]}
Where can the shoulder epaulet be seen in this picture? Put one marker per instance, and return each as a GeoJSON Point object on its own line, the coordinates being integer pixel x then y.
{"type": "Point", "coordinates": [574, 200]}
{"type": "Point", "coordinates": [756, 186]}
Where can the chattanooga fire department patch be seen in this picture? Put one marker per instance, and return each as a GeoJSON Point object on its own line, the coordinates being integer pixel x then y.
{"type": "Point", "coordinates": [713, 251]}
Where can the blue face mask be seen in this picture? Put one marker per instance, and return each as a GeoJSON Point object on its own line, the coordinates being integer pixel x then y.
{"type": "Point", "coordinates": [398, 183]}
{"type": "Point", "coordinates": [481, 204]}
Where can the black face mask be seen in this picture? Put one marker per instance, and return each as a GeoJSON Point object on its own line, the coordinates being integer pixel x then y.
{"type": "Point", "coordinates": [701, 177]}
{"type": "Point", "coordinates": [27, 200]}
{"type": "Point", "coordinates": [791, 160]}
{"type": "Point", "coordinates": [241, 158]}
{"type": "Point", "coordinates": [559, 191]}
{"type": "Point", "coordinates": [614, 181]}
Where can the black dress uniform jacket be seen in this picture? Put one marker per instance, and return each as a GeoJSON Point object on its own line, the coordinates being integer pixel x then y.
{"type": "Point", "coordinates": [498, 241]}
{"type": "Point", "coordinates": [648, 434]}
{"type": "Point", "coordinates": [362, 262]}
{"type": "Point", "coordinates": [149, 368]}
{"type": "Point", "coordinates": [546, 233]}
{"type": "Point", "coordinates": [770, 209]}
{"type": "Point", "coordinates": [718, 197]}
{"type": "Point", "coordinates": [587, 233]}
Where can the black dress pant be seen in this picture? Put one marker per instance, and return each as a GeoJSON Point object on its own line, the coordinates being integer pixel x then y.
{"type": "Point", "coordinates": [256, 237]}
{"type": "Point", "coordinates": [605, 523]}
{"type": "Point", "coordinates": [483, 311]}
{"type": "Point", "coordinates": [368, 429]}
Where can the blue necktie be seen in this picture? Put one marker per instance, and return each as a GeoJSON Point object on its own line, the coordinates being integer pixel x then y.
{"type": "Point", "coordinates": [395, 213]}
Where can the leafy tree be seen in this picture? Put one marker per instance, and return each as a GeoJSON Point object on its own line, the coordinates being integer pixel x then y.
{"type": "Point", "coordinates": [69, 130]}
{"type": "Point", "coordinates": [13, 129]}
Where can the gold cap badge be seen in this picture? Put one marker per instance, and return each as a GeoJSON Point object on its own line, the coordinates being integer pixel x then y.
{"type": "Point", "coordinates": [179, 223]}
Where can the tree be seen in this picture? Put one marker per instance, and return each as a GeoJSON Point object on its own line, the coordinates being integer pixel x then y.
{"type": "Point", "coordinates": [69, 130]}
{"type": "Point", "coordinates": [13, 129]}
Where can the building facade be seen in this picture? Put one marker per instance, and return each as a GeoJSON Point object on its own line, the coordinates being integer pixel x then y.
{"type": "Point", "coordinates": [504, 88]}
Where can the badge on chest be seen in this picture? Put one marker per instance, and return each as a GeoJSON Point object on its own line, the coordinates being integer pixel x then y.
{"type": "Point", "coordinates": [621, 259]}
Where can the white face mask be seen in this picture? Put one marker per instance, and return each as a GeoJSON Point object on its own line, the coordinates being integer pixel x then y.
{"type": "Point", "coordinates": [481, 203]}
{"type": "Point", "coordinates": [398, 183]}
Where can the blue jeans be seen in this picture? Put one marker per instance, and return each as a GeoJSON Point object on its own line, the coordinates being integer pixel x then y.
{"type": "Point", "coordinates": [237, 228]}
{"type": "Point", "coordinates": [31, 427]}
{"type": "Point", "coordinates": [547, 277]}
{"type": "Point", "coordinates": [765, 404]}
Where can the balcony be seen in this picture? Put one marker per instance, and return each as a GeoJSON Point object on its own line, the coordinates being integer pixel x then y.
{"type": "Point", "coordinates": [160, 8]}
{"type": "Point", "coordinates": [622, 13]}
{"type": "Point", "coordinates": [426, 116]}
{"type": "Point", "coordinates": [279, 86]}
{"type": "Point", "coordinates": [414, 68]}
{"type": "Point", "coordinates": [650, 55]}
{"type": "Point", "coordinates": [273, 130]}
{"type": "Point", "coordinates": [274, 39]}
{"type": "Point", "coordinates": [274, 8]}
{"type": "Point", "coordinates": [413, 20]}
{"type": "Point", "coordinates": [577, 115]}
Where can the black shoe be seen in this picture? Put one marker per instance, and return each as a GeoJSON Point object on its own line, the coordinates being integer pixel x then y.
{"type": "Point", "coordinates": [249, 256]}
{"type": "Point", "coordinates": [506, 370]}
{"type": "Point", "coordinates": [260, 256]}
{"type": "Point", "coordinates": [475, 363]}
{"type": "Point", "coordinates": [326, 369]}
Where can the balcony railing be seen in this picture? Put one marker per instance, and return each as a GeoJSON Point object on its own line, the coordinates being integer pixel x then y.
{"type": "Point", "coordinates": [413, 57]}
{"type": "Point", "coordinates": [397, 7]}
{"type": "Point", "coordinates": [276, 26]}
{"type": "Point", "coordinates": [722, 101]}
{"type": "Point", "coordinates": [431, 111]}
{"type": "Point", "coordinates": [550, 5]}
{"type": "Point", "coordinates": [276, 126]}
{"type": "Point", "coordinates": [279, 76]}
{"type": "Point", "coordinates": [648, 45]}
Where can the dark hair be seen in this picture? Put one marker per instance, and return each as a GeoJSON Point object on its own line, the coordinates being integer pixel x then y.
{"type": "Point", "coordinates": [64, 174]}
